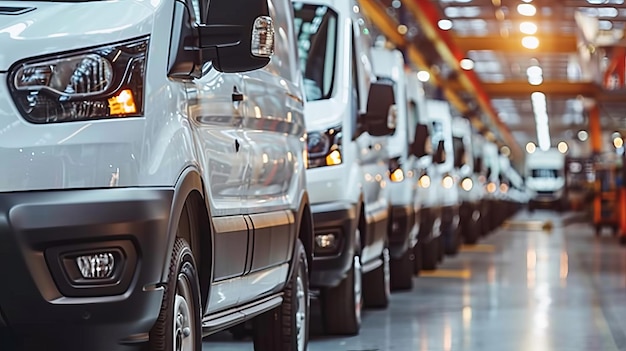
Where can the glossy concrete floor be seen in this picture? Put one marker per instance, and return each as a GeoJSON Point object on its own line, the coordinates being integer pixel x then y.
{"type": "Point", "coordinates": [542, 282]}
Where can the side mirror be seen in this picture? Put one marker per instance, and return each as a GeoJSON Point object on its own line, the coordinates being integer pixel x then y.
{"type": "Point", "coordinates": [238, 36]}
{"type": "Point", "coordinates": [440, 154]}
{"type": "Point", "coordinates": [418, 148]}
{"type": "Point", "coordinates": [380, 118]}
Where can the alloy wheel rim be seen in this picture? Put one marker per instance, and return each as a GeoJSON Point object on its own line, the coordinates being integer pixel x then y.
{"type": "Point", "coordinates": [183, 338]}
{"type": "Point", "coordinates": [358, 288]}
{"type": "Point", "coordinates": [301, 317]}
{"type": "Point", "coordinates": [386, 272]}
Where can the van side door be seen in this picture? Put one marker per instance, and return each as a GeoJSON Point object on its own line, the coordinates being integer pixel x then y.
{"type": "Point", "coordinates": [274, 127]}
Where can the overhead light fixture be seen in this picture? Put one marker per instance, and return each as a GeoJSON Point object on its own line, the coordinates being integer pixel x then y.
{"type": "Point", "coordinates": [563, 147]}
{"type": "Point", "coordinates": [583, 135]}
{"type": "Point", "coordinates": [445, 24]}
{"type": "Point", "coordinates": [467, 64]}
{"type": "Point", "coordinates": [526, 9]}
{"type": "Point", "coordinates": [402, 29]}
{"type": "Point", "coordinates": [535, 75]}
{"type": "Point", "coordinates": [531, 147]}
{"type": "Point", "coordinates": [530, 42]}
{"type": "Point", "coordinates": [528, 28]}
{"type": "Point", "coordinates": [540, 109]}
{"type": "Point", "coordinates": [618, 142]}
{"type": "Point", "coordinates": [423, 76]}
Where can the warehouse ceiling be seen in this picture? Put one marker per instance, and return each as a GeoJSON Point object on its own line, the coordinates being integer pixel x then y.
{"type": "Point", "coordinates": [578, 62]}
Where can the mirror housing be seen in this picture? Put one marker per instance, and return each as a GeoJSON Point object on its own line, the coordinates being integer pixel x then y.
{"type": "Point", "coordinates": [380, 118]}
{"type": "Point", "coordinates": [238, 36]}
{"type": "Point", "coordinates": [418, 147]}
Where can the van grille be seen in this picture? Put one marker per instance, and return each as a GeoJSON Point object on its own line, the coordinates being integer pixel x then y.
{"type": "Point", "coordinates": [6, 10]}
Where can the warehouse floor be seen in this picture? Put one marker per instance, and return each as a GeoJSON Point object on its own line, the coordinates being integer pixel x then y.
{"type": "Point", "coordinates": [541, 282]}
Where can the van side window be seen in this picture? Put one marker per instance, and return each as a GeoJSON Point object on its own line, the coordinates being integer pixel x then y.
{"type": "Point", "coordinates": [355, 73]}
{"type": "Point", "coordinates": [316, 33]}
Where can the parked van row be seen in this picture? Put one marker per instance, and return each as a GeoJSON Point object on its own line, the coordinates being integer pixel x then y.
{"type": "Point", "coordinates": [183, 167]}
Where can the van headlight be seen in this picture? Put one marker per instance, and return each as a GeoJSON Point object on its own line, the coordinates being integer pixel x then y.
{"type": "Point", "coordinates": [424, 181]}
{"type": "Point", "coordinates": [324, 148]}
{"type": "Point", "coordinates": [467, 184]}
{"type": "Point", "coordinates": [98, 83]}
{"type": "Point", "coordinates": [447, 182]}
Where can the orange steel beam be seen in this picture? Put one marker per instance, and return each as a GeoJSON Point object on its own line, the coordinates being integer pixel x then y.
{"type": "Point", "coordinates": [522, 88]}
{"type": "Point", "coordinates": [513, 44]}
{"type": "Point", "coordinates": [595, 129]}
{"type": "Point", "coordinates": [428, 16]}
{"type": "Point", "coordinates": [376, 13]}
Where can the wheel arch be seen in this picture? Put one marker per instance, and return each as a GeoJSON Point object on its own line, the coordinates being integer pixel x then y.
{"type": "Point", "coordinates": [190, 219]}
{"type": "Point", "coordinates": [304, 226]}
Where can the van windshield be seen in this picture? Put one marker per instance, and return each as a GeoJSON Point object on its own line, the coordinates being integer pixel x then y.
{"type": "Point", "coordinates": [316, 30]}
{"type": "Point", "coordinates": [545, 173]}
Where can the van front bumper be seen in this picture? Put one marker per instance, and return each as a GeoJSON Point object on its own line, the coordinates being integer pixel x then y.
{"type": "Point", "coordinates": [402, 222]}
{"type": "Point", "coordinates": [339, 219]}
{"type": "Point", "coordinates": [45, 303]}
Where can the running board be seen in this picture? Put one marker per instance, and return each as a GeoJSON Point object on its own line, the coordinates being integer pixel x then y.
{"type": "Point", "coordinates": [229, 318]}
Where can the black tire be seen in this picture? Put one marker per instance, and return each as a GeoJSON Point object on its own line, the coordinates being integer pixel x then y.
{"type": "Point", "coordinates": [471, 230]}
{"type": "Point", "coordinates": [401, 271]}
{"type": "Point", "coordinates": [417, 258]}
{"type": "Point", "coordinates": [376, 284]}
{"type": "Point", "coordinates": [341, 305]}
{"type": "Point", "coordinates": [430, 255]}
{"type": "Point", "coordinates": [179, 322]}
{"type": "Point", "coordinates": [286, 328]}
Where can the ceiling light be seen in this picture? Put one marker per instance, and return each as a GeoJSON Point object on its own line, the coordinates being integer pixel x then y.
{"type": "Point", "coordinates": [445, 24]}
{"type": "Point", "coordinates": [618, 142]}
{"type": "Point", "coordinates": [402, 29]}
{"type": "Point", "coordinates": [423, 76]}
{"type": "Point", "coordinates": [396, 4]}
{"type": "Point", "coordinates": [531, 147]}
{"type": "Point", "coordinates": [526, 9]}
{"type": "Point", "coordinates": [535, 80]}
{"type": "Point", "coordinates": [528, 28]}
{"type": "Point", "coordinates": [467, 64]}
{"type": "Point", "coordinates": [534, 71]}
{"type": "Point", "coordinates": [583, 135]}
{"type": "Point", "coordinates": [563, 147]}
{"type": "Point", "coordinates": [530, 42]}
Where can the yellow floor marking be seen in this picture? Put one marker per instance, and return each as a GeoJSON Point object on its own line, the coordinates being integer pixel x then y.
{"type": "Point", "coordinates": [478, 248]}
{"type": "Point", "coordinates": [447, 273]}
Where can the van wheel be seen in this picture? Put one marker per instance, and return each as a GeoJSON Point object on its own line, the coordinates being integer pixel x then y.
{"type": "Point", "coordinates": [178, 325]}
{"type": "Point", "coordinates": [286, 328]}
{"type": "Point", "coordinates": [417, 258]}
{"type": "Point", "coordinates": [376, 284]}
{"type": "Point", "coordinates": [341, 305]}
{"type": "Point", "coordinates": [402, 271]}
{"type": "Point", "coordinates": [430, 255]}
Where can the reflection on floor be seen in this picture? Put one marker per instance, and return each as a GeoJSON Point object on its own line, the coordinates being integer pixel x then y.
{"type": "Point", "coordinates": [541, 282]}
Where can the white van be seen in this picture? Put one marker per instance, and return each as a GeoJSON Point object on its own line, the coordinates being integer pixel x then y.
{"type": "Point", "coordinates": [467, 175]}
{"type": "Point", "coordinates": [147, 197]}
{"type": "Point", "coordinates": [406, 148]}
{"type": "Point", "coordinates": [442, 177]}
{"type": "Point", "coordinates": [347, 117]}
{"type": "Point", "coordinates": [545, 179]}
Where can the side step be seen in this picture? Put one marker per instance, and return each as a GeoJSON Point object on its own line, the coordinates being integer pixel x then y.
{"type": "Point", "coordinates": [229, 318]}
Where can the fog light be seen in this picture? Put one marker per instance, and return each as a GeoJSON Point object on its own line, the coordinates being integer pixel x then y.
{"type": "Point", "coordinates": [96, 266]}
{"type": "Point", "coordinates": [326, 241]}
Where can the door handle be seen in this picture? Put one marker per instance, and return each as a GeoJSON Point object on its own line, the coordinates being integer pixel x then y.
{"type": "Point", "coordinates": [237, 95]}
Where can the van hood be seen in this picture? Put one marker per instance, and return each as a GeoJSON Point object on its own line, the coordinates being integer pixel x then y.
{"type": "Point", "coordinates": [30, 29]}
{"type": "Point", "coordinates": [323, 114]}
